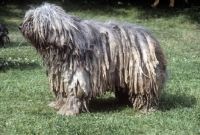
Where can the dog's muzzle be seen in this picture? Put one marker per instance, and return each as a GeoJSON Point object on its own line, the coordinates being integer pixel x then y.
{"type": "Point", "coordinates": [20, 26]}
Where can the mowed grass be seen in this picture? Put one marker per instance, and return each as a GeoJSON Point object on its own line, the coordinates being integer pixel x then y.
{"type": "Point", "coordinates": [24, 87]}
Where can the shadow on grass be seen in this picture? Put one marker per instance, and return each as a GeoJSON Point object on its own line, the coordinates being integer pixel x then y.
{"type": "Point", "coordinates": [14, 44]}
{"type": "Point", "coordinates": [145, 11]}
{"type": "Point", "coordinates": [192, 14]}
{"type": "Point", "coordinates": [15, 65]}
{"type": "Point", "coordinates": [167, 102]}
{"type": "Point", "coordinates": [9, 12]}
{"type": "Point", "coordinates": [109, 104]}
{"type": "Point", "coordinates": [108, 7]}
{"type": "Point", "coordinates": [173, 101]}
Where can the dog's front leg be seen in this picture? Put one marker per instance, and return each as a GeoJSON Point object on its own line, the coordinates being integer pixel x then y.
{"type": "Point", "coordinates": [155, 3]}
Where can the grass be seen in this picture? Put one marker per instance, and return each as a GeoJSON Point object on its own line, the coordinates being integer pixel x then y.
{"type": "Point", "coordinates": [24, 88]}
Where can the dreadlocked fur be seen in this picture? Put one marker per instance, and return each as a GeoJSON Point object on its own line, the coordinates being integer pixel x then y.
{"type": "Point", "coordinates": [85, 58]}
{"type": "Point", "coordinates": [3, 35]}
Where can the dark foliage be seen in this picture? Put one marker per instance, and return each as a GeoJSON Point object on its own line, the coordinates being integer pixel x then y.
{"type": "Point", "coordinates": [3, 35]}
{"type": "Point", "coordinates": [178, 3]}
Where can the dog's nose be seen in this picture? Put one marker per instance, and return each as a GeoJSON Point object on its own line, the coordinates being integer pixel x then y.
{"type": "Point", "coordinates": [20, 26]}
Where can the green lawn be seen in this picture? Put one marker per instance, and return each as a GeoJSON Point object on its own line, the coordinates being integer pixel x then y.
{"type": "Point", "coordinates": [24, 87]}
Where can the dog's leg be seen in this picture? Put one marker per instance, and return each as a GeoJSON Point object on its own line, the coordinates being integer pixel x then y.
{"type": "Point", "coordinates": [71, 107]}
{"type": "Point", "coordinates": [59, 101]}
{"type": "Point", "coordinates": [77, 94]}
{"type": "Point", "coordinates": [155, 3]}
{"type": "Point", "coordinates": [171, 3]}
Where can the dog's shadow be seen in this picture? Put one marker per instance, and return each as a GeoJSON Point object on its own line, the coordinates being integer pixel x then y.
{"type": "Point", "coordinates": [109, 104]}
{"type": "Point", "coordinates": [167, 103]}
{"type": "Point", "coordinates": [174, 101]}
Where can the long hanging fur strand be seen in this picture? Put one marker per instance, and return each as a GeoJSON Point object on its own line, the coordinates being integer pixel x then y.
{"type": "Point", "coordinates": [85, 58]}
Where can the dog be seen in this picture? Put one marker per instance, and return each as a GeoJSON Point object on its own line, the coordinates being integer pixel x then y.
{"type": "Point", "coordinates": [85, 58]}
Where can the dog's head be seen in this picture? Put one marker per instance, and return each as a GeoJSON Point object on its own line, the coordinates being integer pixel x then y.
{"type": "Point", "coordinates": [27, 26]}
{"type": "Point", "coordinates": [43, 25]}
